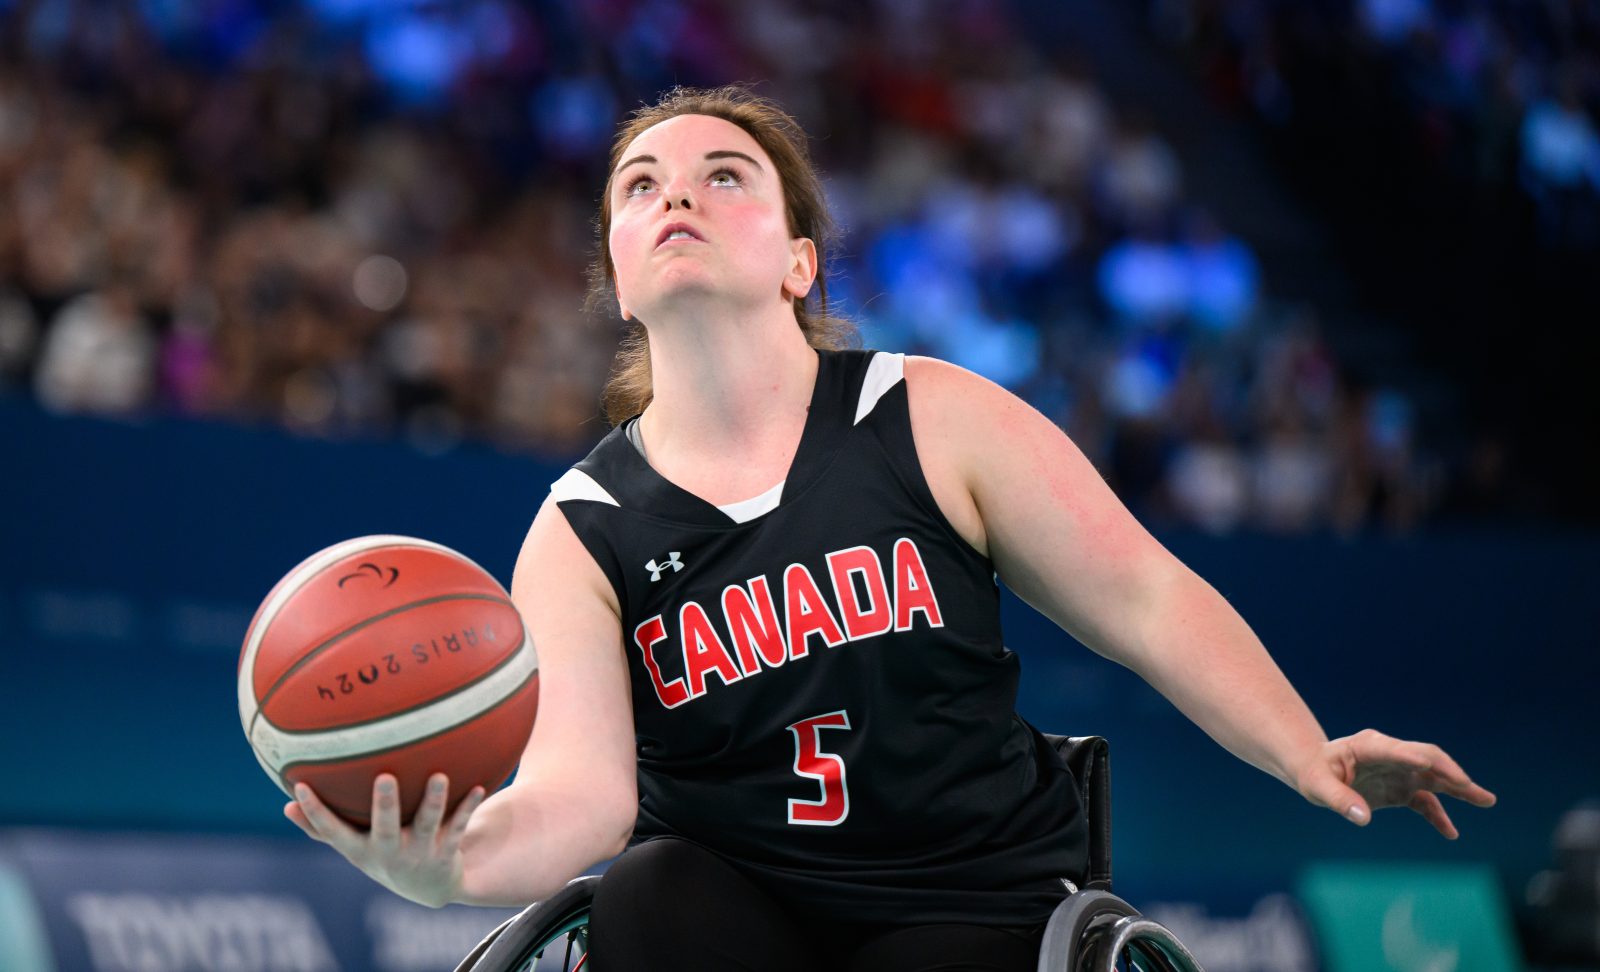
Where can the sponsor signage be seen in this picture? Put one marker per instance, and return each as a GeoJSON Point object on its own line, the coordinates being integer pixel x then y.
{"type": "Point", "coordinates": [1271, 936]}
{"type": "Point", "coordinates": [172, 903]}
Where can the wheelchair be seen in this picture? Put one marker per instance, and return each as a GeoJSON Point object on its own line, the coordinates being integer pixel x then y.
{"type": "Point", "coordinates": [1092, 930]}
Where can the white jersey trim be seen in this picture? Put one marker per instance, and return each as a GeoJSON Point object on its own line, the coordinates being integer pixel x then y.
{"type": "Point", "coordinates": [883, 373]}
{"type": "Point", "coordinates": [746, 510]}
{"type": "Point", "coordinates": [579, 485]}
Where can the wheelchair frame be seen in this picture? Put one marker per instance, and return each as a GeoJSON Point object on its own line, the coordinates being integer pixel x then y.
{"type": "Point", "coordinates": [1090, 931]}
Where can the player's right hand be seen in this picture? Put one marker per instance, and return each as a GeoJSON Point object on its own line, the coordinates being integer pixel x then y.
{"type": "Point", "coordinates": [421, 862]}
{"type": "Point", "coordinates": [1357, 774]}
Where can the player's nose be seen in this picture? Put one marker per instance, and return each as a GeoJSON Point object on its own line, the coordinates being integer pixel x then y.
{"type": "Point", "coordinates": [678, 193]}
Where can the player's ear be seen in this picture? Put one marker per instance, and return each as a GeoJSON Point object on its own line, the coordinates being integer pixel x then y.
{"type": "Point", "coordinates": [802, 268]}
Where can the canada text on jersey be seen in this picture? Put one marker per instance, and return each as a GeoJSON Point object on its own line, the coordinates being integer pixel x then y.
{"type": "Point", "coordinates": [760, 642]}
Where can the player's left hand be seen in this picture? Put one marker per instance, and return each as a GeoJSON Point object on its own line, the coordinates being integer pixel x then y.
{"type": "Point", "coordinates": [1357, 774]}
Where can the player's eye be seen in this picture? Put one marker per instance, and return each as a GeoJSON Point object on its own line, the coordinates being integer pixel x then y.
{"type": "Point", "coordinates": [634, 186]}
{"type": "Point", "coordinates": [726, 177]}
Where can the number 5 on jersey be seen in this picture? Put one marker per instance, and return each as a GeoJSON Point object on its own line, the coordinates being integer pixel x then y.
{"type": "Point", "coordinates": [826, 768]}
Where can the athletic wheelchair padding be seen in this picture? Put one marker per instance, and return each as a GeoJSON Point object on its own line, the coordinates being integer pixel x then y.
{"type": "Point", "coordinates": [1089, 932]}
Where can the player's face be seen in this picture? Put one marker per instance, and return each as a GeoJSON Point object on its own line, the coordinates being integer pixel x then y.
{"type": "Point", "coordinates": [709, 178]}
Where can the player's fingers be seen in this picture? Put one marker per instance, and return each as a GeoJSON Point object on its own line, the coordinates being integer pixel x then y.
{"type": "Point", "coordinates": [458, 820]}
{"type": "Point", "coordinates": [297, 817]}
{"type": "Point", "coordinates": [1442, 774]}
{"type": "Point", "coordinates": [1371, 746]}
{"type": "Point", "coordinates": [1433, 811]}
{"type": "Point", "coordinates": [1424, 756]}
{"type": "Point", "coordinates": [1449, 777]}
{"type": "Point", "coordinates": [1328, 790]}
{"type": "Point", "coordinates": [333, 830]}
{"type": "Point", "coordinates": [385, 813]}
{"type": "Point", "coordinates": [1470, 792]}
{"type": "Point", "coordinates": [1439, 762]}
{"type": "Point", "coordinates": [425, 825]}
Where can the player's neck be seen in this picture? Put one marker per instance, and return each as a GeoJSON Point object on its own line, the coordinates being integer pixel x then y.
{"type": "Point", "coordinates": [728, 387]}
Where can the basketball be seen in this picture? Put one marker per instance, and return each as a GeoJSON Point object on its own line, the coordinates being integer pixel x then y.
{"type": "Point", "coordinates": [387, 654]}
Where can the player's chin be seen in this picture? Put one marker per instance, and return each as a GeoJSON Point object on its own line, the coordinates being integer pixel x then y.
{"type": "Point", "coordinates": [684, 270]}
{"type": "Point", "coordinates": [684, 291]}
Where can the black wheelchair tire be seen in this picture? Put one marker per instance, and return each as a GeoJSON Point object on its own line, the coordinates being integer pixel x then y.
{"type": "Point", "coordinates": [471, 961]}
{"type": "Point", "coordinates": [529, 933]}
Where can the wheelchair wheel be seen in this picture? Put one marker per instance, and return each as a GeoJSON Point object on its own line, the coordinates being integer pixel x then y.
{"type": "Point", "coordinates": [548, 935]}
{"type": "Point", "coordinates": [1096, 931]}
{"type": "Point", "coordinates": [1066, 946]}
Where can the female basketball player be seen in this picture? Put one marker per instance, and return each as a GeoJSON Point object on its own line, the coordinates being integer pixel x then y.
{"type": "Point", "coordinates": [767, 618]}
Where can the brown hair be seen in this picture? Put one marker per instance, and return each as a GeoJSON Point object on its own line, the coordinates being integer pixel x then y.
{"type": "Point", "coordinates": [628, 390]}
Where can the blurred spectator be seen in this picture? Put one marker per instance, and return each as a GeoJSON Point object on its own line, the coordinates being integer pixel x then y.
{"type": "Point", "coordinates": [1292, 473]}
{"type": "Point", "coordinates": [1210, 278]}
{"type": "Point", "coordinates": [1393, 21]}
{"type": "Point", "coordinates": [1380, 479]}
{"type": "Point", "coordinates": [98, 355]}
{"type": "Point", "coordinates": [1209, 481]}
{"type": "Point", "coordinates": [1222, 275]}
{"type": "Point", "coordinates": [1144, 279]}
{"type": "Point", "coordinates": [1072, 131]}
{"type": "Point", "coordinates": [1561, 153]}
{"type": "Point", "coordinates": [1565, 900]}
{"type": "Point", "coordinates": [1141, 178]}
{"type": "Point", "coordinates": [19, 332]}
{"type": "Point", "coordinates": [1141, 376]}
{"type": "Point", "coordinates": [190, 374]}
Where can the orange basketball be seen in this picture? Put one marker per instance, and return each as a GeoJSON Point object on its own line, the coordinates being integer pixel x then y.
{"type": "Point", "coordinates": [387, 655]}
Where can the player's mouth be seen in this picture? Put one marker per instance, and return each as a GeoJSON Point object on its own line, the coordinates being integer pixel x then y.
{"type": "Point", "coordinates": [675, 233]}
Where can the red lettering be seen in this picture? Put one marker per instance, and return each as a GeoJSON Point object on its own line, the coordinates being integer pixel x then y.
{"type": "Point", "coordinates": [672, 694]}
{"type": "Point", "coordinates": [753, 625]}
{"type": "Point", "coordinates": [858, 621]}
{"type": "Point", "coordinates": [806, 612]}
{"type": "Point", "coordinates": [702, 650]}
{"type": "Point", "coordinates": [811, 761]}
{"type": "Point", "coordinates": [912, 592]}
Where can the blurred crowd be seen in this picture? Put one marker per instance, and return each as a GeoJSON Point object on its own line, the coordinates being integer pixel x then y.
{"type": "Point", "coordinates": [356, 217]}
{"type": "Point", "coordinates": [1487, 98]}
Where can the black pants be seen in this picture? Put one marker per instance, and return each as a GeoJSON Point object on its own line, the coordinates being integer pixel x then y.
{"type": "Point", "coordinates": [669, 904]}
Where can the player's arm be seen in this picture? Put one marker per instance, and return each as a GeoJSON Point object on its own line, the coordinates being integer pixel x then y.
{"type": "Point", "coordinates": [1018, 489]}
{"type": "Point", "coordinates": [575, 797]}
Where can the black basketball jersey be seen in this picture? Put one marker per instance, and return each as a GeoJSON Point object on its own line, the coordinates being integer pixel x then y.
{"type": "Point", "coordinates": [820, 689]}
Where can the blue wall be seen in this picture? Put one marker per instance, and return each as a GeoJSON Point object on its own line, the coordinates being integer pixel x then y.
{"type": "Point", "coordinates": [135, 554]}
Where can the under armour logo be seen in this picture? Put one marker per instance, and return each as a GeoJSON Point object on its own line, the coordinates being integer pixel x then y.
{"type": "Point", "coordinates": [672, 561]}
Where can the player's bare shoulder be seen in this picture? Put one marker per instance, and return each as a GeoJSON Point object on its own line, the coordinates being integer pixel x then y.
{"type": "Point", "coordinates": [555, 567]}
{"type": "Point", "coordinates": [948, 405]}
{"type": "Point", "coordinates": [969, 410]}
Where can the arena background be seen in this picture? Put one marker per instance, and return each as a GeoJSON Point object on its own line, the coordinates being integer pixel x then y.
{"type": "Point", "coordinates": [1314, 285]}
